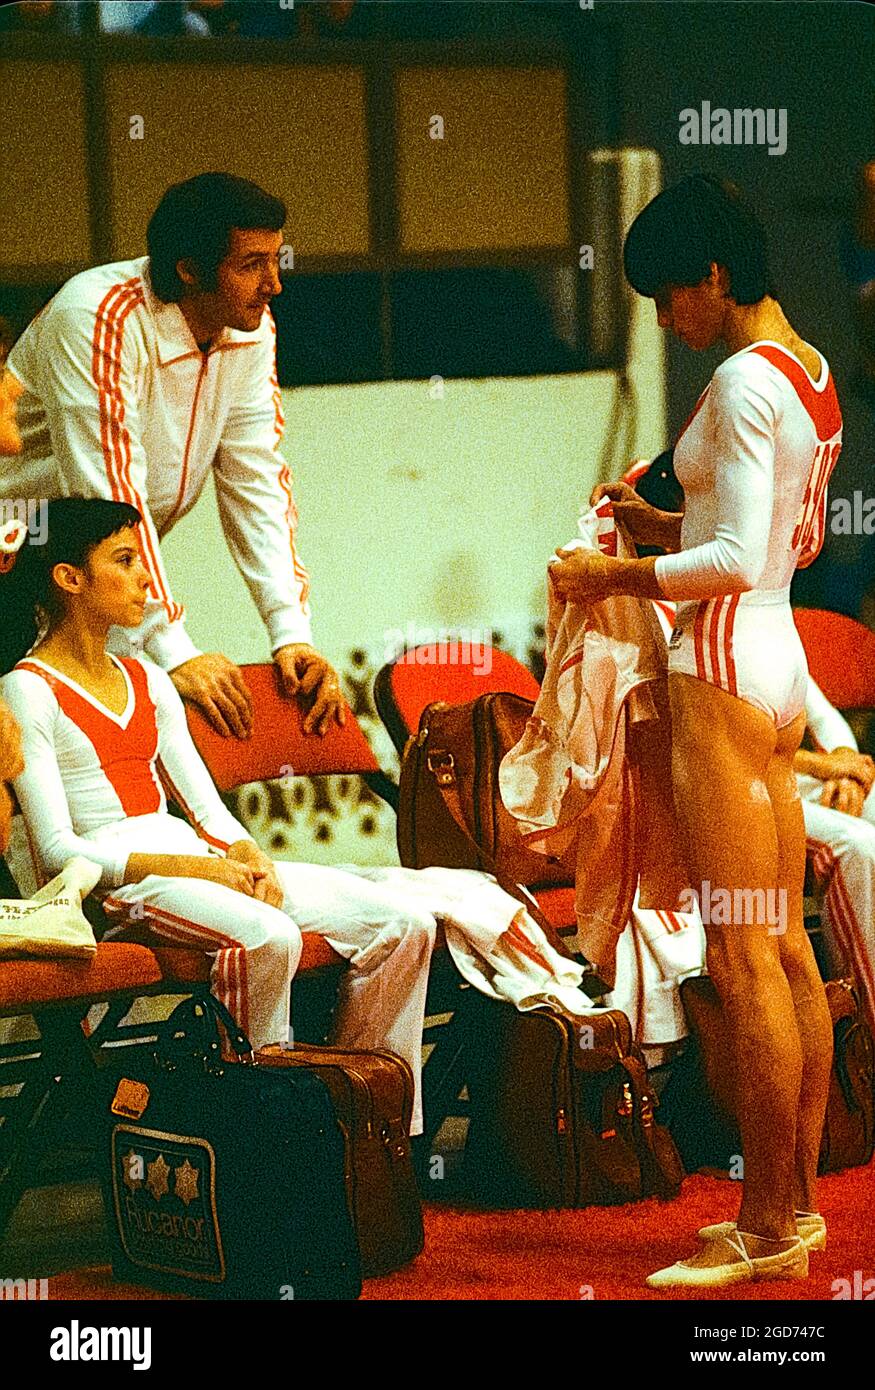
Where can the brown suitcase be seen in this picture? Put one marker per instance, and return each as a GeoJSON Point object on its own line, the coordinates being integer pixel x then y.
{"type": "Point", "coordinates": [848, 1139]}
{"type": "Point", "coordinates": [562, 1113]}
{"type": "Point", "coordinates": [373, 1097]}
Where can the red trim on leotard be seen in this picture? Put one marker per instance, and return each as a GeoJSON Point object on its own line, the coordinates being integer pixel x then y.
{"type": "Point", "coordinates": [822, 406]}
{"type": "Point", "coordinates": [126, 754]}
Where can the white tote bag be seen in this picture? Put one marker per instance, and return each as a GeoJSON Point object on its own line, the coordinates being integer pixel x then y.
{"type": "Point", "coordinates": [51, 923]}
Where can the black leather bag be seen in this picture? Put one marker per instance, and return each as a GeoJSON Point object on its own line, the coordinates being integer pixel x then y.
{"type": "Point", "coordinates": [223, 1180]}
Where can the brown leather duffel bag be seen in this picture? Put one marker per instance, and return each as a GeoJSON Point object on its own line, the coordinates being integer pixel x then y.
{"type": "Point", "coordinates": [450, 810]}
{"type": "Point", "coordinates": [848, 1139]}
{"type": "Point", "coordinates": [373, 1099]}
{"type": "Point", "coordinates": [562, 1113]}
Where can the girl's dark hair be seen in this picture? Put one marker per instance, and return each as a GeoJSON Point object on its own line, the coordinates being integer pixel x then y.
{"type": "Point", "coordinates": [71, 528]}
{"type": "Point", "coordinates": [699, 220]}
{"type": "Point", "coordinates": [193, 221]}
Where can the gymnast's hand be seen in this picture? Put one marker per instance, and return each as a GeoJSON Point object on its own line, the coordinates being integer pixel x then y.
{"type": "Point", "coordinates": [266, 887]}
{"type": "Point", "coordinates": [216, 686]}
{"type": "Point", "coordinates": [847, 762]}
{"type": "Point", "coordinates": [843, 794]}
{"type": "Point", "coordinates": [645, 525]}
{"type": "Point", "coordinates": [229, 872]}
{"type": "Point", "coordinates": [307, 673]}
{"type": "Point", "coordinates": [583, 575]}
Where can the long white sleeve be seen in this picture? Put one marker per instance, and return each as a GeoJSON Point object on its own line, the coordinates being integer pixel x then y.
{"type": "Point", "coordinates": [256, 507]}
{"type": "Point", "coordinates": [85, 378]}
{"type": "Point", "coordinates": [40, 788]}
{"type": "Point", "coordinates": [741, 425]}
{"type": "Point", "coordinates": [828, 728]}
{"type": "Point", "coordinates": [186, 779]}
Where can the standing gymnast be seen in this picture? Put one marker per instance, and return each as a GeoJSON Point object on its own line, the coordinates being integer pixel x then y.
{"type": "Point", "coordinates": [754, 460]}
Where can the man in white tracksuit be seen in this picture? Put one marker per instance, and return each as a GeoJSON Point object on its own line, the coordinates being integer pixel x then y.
{"type": "Point", "coordinates": [142, 377]}
{"type": "Point", "coordinates": [838, 801]}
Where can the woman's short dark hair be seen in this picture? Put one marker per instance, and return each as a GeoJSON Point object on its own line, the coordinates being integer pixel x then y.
{"type": "Point", "coordinates": [74, 527]}
{"type": "Point", "coordinates": [674, 240]}
{"type": "Point", "coordinates": [193, 221]}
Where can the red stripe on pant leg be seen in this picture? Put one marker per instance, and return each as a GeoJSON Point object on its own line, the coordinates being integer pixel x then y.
{"type": "Point", "coordinates": [844, 923]}
{"type": "Point", "coordinates": [516, 936]}
{"type": "Point", "coordinates": [853, 928]}
{"type": "Point", "coordinates": [844, 933]}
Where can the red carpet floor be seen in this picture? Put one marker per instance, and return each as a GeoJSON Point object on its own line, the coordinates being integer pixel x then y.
{"type": "Point", "coordinates": [564, 1255]}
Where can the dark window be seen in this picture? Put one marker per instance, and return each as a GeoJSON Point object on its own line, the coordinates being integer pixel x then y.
{"type": "Point", "coordinates": [328, 329]}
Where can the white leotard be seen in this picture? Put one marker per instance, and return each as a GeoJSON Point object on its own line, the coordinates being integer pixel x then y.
{"type": "Point", "coordinates": [95, 782]}
{"type": "Point", "coordinates": [754, 460]}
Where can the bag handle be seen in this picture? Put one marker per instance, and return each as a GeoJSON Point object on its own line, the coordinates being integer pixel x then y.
{"type": "Point", "coordinates": [192, 1030]}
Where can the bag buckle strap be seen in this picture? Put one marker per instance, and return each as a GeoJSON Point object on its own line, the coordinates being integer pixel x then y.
{"type": "Point", "coordinates": [440, 764]}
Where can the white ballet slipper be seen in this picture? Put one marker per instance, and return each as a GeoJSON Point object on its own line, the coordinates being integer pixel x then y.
{"type": "Point", "coordinates": [791, 1263]}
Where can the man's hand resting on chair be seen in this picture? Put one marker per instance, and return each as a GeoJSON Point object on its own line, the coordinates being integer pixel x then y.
{"type": "Point", "coordinates": [217, 687]}
{"type": "Point", "coordinates": [305, 672]}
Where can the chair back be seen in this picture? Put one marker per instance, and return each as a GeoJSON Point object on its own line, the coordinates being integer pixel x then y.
{"type": "Point", "coordinates": [415, 679]}
{"type": "Point", "coordinates": [278, 746]}
{"type": "Point", "coordinates": [841, 656]}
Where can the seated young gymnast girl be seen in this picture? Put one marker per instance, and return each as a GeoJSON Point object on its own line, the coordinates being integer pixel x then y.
{"type": "Point", "coordinates": [105, 742]}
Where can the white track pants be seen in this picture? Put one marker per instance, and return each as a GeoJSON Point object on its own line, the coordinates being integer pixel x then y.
{"type": "Point", "coordinates": [387, 942]}
{"type": "Point", "coordinates": [841, 850]}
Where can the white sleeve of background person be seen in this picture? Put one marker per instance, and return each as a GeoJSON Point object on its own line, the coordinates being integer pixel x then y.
{"type": "Point", "coordinates": [823, 721]}
{"type": "Point", "coordinates": [40, 788]}
{"type": "Point", "coordinates": [256, 507]}
{"type": "Point", "coordinates": [741, 427]}
{"type": "Point", "coordinates": [191, 787]}
{"type": "Point", "coordinates": [90, 402]}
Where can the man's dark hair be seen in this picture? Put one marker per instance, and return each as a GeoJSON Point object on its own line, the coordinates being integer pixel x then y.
{"type": "Point", "coordinates": [193, 222]}
{"type": "Point", "coordinates": [674, 240]}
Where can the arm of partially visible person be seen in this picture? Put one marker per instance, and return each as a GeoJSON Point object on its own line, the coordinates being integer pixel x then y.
{"type": "Point", "coordinates": [86, 381]}
{"type": "Point", "coordinates": [11, 766]}
{"type": "Point", "coordinates": [11, 758]}
{"type": "Point", "coordinates": [847, 775]}
{"type": "Point", "coordinates": [259, 519]}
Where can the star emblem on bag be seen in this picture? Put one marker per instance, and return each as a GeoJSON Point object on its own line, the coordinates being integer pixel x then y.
{"type": "Point", "coordinates": [157, 1180]}
{"type": "Point", "coordinates": [186, 1182]}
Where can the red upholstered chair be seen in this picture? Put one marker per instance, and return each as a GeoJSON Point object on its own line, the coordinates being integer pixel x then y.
{"type": "Point", "coordinates": [45, 1079]}
{"type": "Point", "coordinates": [404, 687]}
{"type": "Point", "coordinates": [841, 656]}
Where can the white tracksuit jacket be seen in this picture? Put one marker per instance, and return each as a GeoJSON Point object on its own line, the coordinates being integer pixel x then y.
{"type": "Point", "coordinates": [120, 402]}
